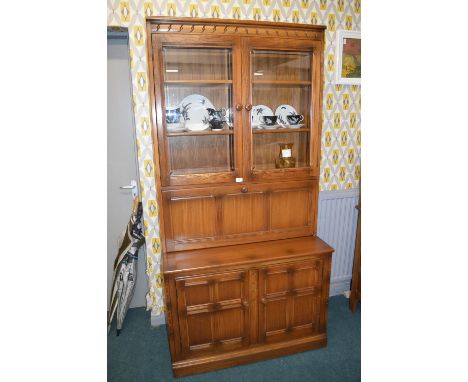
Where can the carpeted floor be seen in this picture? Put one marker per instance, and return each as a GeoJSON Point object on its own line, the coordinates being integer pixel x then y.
{"type": "Point", "coordinates": [141, 353]}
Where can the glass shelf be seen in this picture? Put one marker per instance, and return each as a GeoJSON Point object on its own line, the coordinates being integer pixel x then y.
{"type": "Point", "coordinates": [276, 131]}
{"type": "Point", "coordinates": [268, 166]}
{"type": "Point", "coordinates": [199, 133]}
{"type": "Point", "coordinates": [280, 82]}
{"type": "Point", "coordinates": [197, 82]}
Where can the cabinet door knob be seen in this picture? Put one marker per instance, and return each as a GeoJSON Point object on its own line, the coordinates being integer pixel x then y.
{"type": "Point", "coordinates": [248, 107]}
{"type": "Point", "coordinates": [239, 107]}
{"type": "Point", "coordinates": [244, 189]}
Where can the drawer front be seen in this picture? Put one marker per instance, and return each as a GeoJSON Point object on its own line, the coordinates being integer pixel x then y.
{"type": "Point", "coordinates": [290, 299]}
{"type": "Point", "coordinates": [213, 312]}
{"type": "Point", "coordinates": [214, 216]}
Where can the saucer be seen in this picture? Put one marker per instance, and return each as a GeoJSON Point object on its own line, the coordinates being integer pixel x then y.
{"type": "Point", "coordinates": [298, 126]}
{"type": "Point", "coordinates": [175, 127]}
{"type": "Point", "coordinates": [270, 127]}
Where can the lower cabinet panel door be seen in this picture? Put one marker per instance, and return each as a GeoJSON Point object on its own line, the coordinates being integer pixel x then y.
{"type": "Point", "coordinates": [213, 312]}
{"type": "Point", "coordinates": [289, 300]}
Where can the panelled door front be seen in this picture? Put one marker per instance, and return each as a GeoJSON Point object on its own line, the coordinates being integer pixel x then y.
{"type": "Point", "coordinates": [213, 312]}
{"type": "Point", "coordinates": [210, 216]}
{"type": "Point", "coordinates": [197, 85]}
{"type": "Point", "coordinates": [289, 300]}
{"type": "Point", "coordinates": [282, 80]}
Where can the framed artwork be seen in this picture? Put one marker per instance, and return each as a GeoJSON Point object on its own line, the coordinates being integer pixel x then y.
{"type": "Point", "coordinates": [348, 57]}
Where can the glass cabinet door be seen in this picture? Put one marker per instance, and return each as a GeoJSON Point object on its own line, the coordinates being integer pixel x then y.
{"type": "Point", "coordinates": [281, 121]}
{"type": "Point", "coordinates": [198, 125]}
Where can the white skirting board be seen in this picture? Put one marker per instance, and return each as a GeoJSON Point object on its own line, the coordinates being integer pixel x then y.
{"type": "Point", "coordinates": [337, 222]}
{"type": "Point", "coordinates": [157, 320]}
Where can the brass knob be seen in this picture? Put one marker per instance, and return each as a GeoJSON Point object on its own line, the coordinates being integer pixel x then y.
{"type": "Point", "coordinates": [239, 107]}
{"type": "Point", "coordinates": [244, 189]}
{"type": "Point", "coordinates": [248, 107]}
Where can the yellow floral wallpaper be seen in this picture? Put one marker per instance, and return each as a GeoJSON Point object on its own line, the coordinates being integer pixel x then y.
{"type": "Point", "coordinates": [341, 134]}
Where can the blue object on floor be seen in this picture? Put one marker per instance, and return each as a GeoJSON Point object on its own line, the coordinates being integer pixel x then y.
{"type": "Point", "coordinates": [141, 354]}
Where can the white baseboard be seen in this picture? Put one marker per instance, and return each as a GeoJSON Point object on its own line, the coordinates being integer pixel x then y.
{"type": "Point", "coordinates": [340, 285]}
{"type": "Point", "coordinates": [157, 320]}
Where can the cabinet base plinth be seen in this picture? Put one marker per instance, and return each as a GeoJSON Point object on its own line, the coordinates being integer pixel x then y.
{"type": "Point", "coordinates": [252, 354]}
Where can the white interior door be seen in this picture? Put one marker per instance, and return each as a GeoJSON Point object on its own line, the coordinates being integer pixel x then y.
{"type": "Point", "coordinates": [121, 160]}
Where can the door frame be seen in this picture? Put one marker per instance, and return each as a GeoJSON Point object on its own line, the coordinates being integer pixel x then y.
{"type": "Point", "coordinates": [122, 34]}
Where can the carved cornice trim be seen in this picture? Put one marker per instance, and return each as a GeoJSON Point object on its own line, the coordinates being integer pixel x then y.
{"type": "Point", "coordinates": [230, 26]}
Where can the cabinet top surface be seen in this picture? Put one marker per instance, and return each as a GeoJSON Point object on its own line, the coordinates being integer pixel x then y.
{"type": "Point", "coordinates": [175, 262]}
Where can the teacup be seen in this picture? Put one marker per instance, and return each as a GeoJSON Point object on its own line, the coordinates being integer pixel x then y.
{"type": "Point", "coordinates": [294, 119]}
{"type": "Point", "coordinates": [216, 118]}
{"type": "Point", "coordinates": [216, 124]}
{"type": "Point", "coordinates": [173, 115]}
{"type": "Point", "coordinates": [269, 119]}
{"type": "Point", "coordinates": [216, 114]}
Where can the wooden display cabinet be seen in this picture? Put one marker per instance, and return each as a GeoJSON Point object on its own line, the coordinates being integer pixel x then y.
{"type": "Point", "coordinates": [245, 276]}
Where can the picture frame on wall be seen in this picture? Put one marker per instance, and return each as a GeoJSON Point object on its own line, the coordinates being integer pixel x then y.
{"type": "Point", "coordinates": [348, 57]}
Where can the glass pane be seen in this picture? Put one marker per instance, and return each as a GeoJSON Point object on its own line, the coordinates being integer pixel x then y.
{"type": "Point", "coordinates": [198, 110]}
{"type": "Point", "coordinates": [278, 65]}
{"type": "Point", "coordinates": [280, 149]}
{"type": "Point", "coordinates": [200, 154]}
{"type": "Point", "coordinates": [197, 64]}
{"type": "Point", "coordinates": [280, 117]}
{"type": "Point", "coordinates": [281, 101]}
{"type": "Point", "coordinates": [207, 95]}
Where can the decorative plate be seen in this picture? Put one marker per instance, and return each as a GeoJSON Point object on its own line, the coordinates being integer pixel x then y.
{"type": "Point", "coordinates": [257, 112]}
{"type": "Point", "coordinates": [282, 111]}
{"type": "Point", "coordinates": [196, 117]}
{"type": "Point", "coordinates": [194, 112]}
{"type": "Point", "coordinates": [175, 127]}
{"type": "Point", "coordinates": [197, 99]}
{"type": "Point", "coordinates": [229, 117]}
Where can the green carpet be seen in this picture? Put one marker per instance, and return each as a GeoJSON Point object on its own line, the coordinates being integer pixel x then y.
{"type": "Point", "coordinates": [141, 353]}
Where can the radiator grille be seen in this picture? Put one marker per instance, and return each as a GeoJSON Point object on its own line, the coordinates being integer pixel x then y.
{"type": "Point", "coordinates": [337, 221]}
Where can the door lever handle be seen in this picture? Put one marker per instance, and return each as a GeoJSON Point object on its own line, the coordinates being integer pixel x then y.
{"type": "Point", "coordinates": [133, 187]}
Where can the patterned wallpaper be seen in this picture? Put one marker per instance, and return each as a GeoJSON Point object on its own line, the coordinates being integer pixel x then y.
{"type": "Point", "coordinates": [341, 134]}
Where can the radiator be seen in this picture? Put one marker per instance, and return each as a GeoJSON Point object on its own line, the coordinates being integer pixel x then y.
{"type": "Point", "coordinates": [337, 221]}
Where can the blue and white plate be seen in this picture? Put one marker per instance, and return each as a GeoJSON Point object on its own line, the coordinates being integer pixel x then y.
{"type": "Point", "coordinates": [284, 110]}
{"type": "Point", "coordinates": [257, 113]}
{"type": "Point", "coordinates": [194, 112]}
